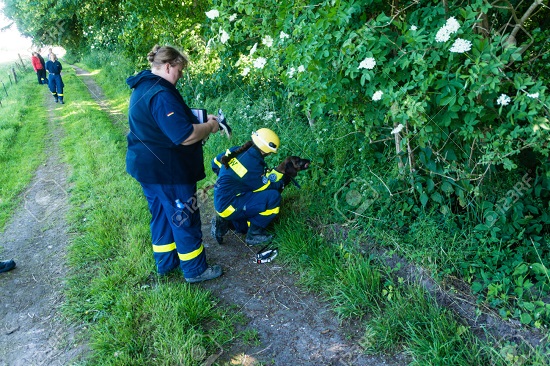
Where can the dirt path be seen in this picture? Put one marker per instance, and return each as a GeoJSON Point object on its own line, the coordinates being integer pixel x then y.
{"type": "Point", "coordinates": [32, 331]}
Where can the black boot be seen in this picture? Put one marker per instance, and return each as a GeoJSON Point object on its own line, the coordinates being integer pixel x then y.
{"type": "Point", "coordinates": [257, 235]}
{"type": "Point", "coordinates": [61, 100]}
{"type": "Point", "coordinates": [219, 228]}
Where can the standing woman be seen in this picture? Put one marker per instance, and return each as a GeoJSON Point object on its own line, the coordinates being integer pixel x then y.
{"type": "Point", "coordinates": [165, 156]}
{"type": "Point", "coordinates": [38, 68]}
{"type": "Point", "coordinates": [55, 82]}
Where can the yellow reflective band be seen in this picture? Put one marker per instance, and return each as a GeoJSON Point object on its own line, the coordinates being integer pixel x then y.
{"type": "Point", "coordinates": [237, 167]}
{"type": "Point", "coordinates": [263, 187]}
{"type": "Point", "coordinates": [164, 248]}
{"type": "Point", "coordinates": [228, 211]}
{"type": "Point", "coordinates": [217, 163]}
{"type": "Point", "coordinates": [60, 95]}
{"type": "Point", "coordinates": [273, 211]}
{"type": "Point", "coordinates": [248, 223]}
{"type": "Point", "coordinates": [188, 256]}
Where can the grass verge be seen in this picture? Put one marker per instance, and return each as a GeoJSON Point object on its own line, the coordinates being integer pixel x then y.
{"type": "Point", "coordinates": [133, 317]}
{"type": "Point", "coordinates": [23, 126]}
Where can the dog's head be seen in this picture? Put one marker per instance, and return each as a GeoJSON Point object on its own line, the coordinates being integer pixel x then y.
{"type": "Point", "coordinates": [292, 165]}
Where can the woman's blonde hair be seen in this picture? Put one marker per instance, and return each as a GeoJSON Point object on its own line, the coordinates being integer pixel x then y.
{"type": "Point", "coordinates": [166, 54]}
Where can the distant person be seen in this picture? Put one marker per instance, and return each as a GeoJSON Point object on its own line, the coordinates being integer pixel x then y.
{"type": "Point", "coordinates": [38, 68]}
{"type": "Point", "coordinates": [7, 265]}
{"type": "Point", "coordinates": [50, 54]}
{"type": "Point", "coordinates": [55, 82]}
{"type": "Point", "coordinates": [165, 156]}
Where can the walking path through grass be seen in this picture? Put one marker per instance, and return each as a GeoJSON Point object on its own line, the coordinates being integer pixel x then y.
{"type": "Point", "coordinates": [33, 331]}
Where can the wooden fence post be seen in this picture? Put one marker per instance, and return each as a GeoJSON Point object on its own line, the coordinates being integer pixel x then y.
{"type": "Point", "coordinates": [14, 74]}
{"type": "Point", "coordinates": [5, 88]}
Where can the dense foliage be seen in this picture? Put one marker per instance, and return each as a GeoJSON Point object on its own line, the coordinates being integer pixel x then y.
{"type": "Point", "coordinates": [430, 112]}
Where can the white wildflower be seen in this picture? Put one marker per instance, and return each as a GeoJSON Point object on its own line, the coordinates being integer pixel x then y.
{"type": "Point", "coordinates": [268, 41]}
{"type": "Point", "coordinates": [414, 27]}
{"type": "Point", "coordinates": [503, 100]}
{"type": "Point", "coordinates": [534, 96]}
{"type": "Point", "coordinates": [377, 95]}
{"type": "Point", "coordinates": [452, 25]}
{"type": "Point", "coordinates": [224, 37]}
{"type": "Point", "coordinates": [442, 35]}
{"type": "Point", "coordinates": [213, 14]}
{"type": "Point", "coordinates": [253, 49]}
{"type": "Point", "coordinates": [245, 71]}
{"type": "Point", "coordinates": [291, 72]}
{"type": "Point", "coordinates": [301, 68]}
{"type": "Point", "coordinates": [367, 63]}
{"type": "Point", "coordinates": [397, 129]}
{"type": "Point", "coordinates": [461, 45]}
{"type": "Point", "coordinates": [283, 35]}
{"type": "Point", "coordinates": [260, 62]}
{"type": "Point", "coordinates": [233, 17]}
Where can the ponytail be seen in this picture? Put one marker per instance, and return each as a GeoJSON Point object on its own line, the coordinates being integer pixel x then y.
{"type": "Point", "coordinates": [227, 158]}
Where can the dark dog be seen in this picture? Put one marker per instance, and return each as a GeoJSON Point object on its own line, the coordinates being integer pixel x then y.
{"type": "Point", "coordinates": [290, 168]}
{"type": "Point", "coordinates": [292, 165]}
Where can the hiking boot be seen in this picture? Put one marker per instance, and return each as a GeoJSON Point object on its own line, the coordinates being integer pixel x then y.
{"type": "Point", "coordinates": [219, 228]}
{"type": "Point", "coordinates": [257, 236]}
{"type": "Point", "coordinates": [7, 265]}
{"type": "Point", "coordinates": [210, 273]}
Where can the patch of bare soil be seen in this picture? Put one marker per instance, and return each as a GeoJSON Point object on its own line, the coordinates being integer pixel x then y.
{"type": "Point", "coordinates": [294, 327]}
{"type": "Point", "coordinates": [32, 329]}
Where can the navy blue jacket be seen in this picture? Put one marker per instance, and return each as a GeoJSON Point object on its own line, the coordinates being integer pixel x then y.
{"type": "Point", "coordinates": [159, 122]}
{"type": "Point", "coordinates": [246, 173]}
{"type": "Point", "coordinates": [54, 67]}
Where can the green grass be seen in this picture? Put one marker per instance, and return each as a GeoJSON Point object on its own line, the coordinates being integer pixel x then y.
{"type": "Point", "coordinates": [133, 317]}
{"type": "Point", "coordinates": [23, 126]}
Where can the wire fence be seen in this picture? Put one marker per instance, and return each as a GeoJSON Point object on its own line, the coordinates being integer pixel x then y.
{"type": "Point", "coordinates": [13, 75]}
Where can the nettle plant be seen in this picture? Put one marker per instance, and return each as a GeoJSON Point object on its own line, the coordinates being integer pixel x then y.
{"type": "Point", "coordinates": [442, 80]}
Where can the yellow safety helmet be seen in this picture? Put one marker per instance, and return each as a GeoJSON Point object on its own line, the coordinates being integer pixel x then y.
{"type": "Point", "coordinates": [266, 140]}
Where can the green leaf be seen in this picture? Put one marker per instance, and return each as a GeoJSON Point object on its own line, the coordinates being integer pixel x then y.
{"type": "Point", "coordinates": [525, 318]}
{"type": "Point", "coordinates": [423, 199]}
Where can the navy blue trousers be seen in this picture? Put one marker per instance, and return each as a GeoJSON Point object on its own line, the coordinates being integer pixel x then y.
{"type": "Point", "coordinates": [259, 208]}
{"type": "Point", "coordinates": [55, 83]}
{"type": "Point", "coordinates": [176, 231]}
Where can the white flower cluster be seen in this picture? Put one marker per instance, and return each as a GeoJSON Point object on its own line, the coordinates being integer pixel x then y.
{"type": "Point", "coordinates": [260, 62]}
{"type": "Point", "coordinates": [534, 95]}
{"type": "Point", "coordinates": [224, 37]}
{"type": "Point", "coordinates": [461, 45]}
{"type": "Point", "coordinates": [377, 95]}
{"type": "Point", "coordinates": [503, 100]}
{"type": "Point", "coordinates": [397, 129]}
{"type": "Point", "coordinates": [293, 70]}
{"type": "Point", "coordinates": [367, 63]}
{"type": "Point", "coordinates": [450, 27]}
{"type": "Point", "coordinates": [414, 27]}
{"type": "Point", "coordinates": [283, 35]}
{"type": "Point", "coordinates": [233, 17]}
{"type": "Point", "coordinates": [268, 41]}
{"type": "Point", "coordinates": [245, 71]}
{"type": "Point", "coordinates": [213, 14]}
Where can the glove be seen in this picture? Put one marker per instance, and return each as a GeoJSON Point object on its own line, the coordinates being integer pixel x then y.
{"type": "Point", "coordinates": [224, 126]}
